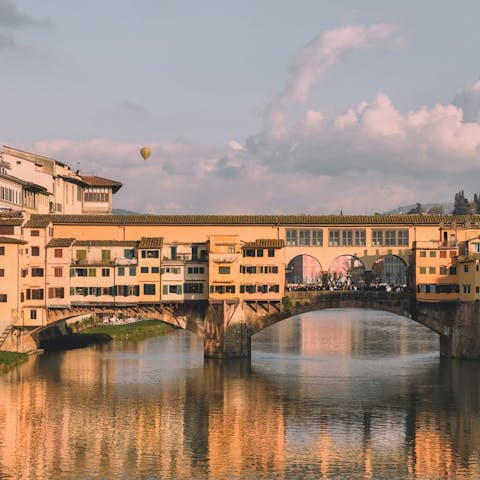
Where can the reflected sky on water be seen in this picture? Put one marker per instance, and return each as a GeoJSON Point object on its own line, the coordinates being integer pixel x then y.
{"type": "Point", "coordinates": [334, 394]}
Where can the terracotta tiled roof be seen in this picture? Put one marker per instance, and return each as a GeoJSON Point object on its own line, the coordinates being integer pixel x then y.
{"type": "Point", "coordinates": [105, 243]}
{"type": "Point", "coordinates": [275, 220]}
{"type": "Point", "coordinates": [265, 243]}
{"type": "Point", "coordinates": [150, 242]}
{"type": "Point", "coordinates": [60, 242]}
{"type": "Point", "coordinates": [10, 240]}
{"type": "Point", "coordinates": [39, 221]}
{"type": "Point", "coordinates": [11, 221]}
{"type": "Point", "coordinates": [95, 181]}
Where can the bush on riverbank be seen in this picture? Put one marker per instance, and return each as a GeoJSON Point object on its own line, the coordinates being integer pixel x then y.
{"type": "Point", "coordinates": [8, 360]}
{"type": "Point", "coordinates": [133, 331]}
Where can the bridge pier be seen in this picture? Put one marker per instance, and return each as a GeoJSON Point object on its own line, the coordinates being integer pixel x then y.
{"type": "Point", "coordinates": [462, 338]}
{"type": "Point", "coordinates": [226, 332]}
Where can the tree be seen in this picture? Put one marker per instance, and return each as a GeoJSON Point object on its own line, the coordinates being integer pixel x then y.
{"type": "Point", "coordinates": [418, 209]}
{"type": "Point", "coordinates": [436, 210]}
{"type": "Point", "coordinates": [462, 207]}
{"type": "Point", "coordinates": [476, 204]}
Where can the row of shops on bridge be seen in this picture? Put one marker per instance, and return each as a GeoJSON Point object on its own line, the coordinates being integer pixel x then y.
{"type": "Point", "coordinates": [40, 271]}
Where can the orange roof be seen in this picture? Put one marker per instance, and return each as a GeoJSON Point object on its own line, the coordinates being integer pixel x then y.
{"type": "Point", "coordinates": [95, 181]}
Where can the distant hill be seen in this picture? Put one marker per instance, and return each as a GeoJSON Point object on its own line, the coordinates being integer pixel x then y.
{"type": "Point", "coordinates": [447, 208]}
{"type": "Point", "coordinates": [121, 211]}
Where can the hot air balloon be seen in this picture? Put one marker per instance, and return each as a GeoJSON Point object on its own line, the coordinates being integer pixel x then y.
{"type": "Point", "coordinates": [145, 152]}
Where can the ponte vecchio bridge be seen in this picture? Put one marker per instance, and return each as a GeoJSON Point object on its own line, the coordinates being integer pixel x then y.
{"type": "Point", "coordinates": [223, 277]}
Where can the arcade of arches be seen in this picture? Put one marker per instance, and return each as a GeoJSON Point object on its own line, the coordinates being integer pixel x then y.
{"type": "Point", "coordinates": [345, 272]}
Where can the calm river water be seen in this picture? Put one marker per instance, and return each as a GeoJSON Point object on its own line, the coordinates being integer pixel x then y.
{"type": "Point", "coordinates": [339, 394]}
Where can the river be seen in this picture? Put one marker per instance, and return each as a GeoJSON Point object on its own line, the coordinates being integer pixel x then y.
{"type": "Point", "coordinates": [337, 394]}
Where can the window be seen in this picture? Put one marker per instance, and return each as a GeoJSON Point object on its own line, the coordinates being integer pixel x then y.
{"type": "Point", "coordinates": [58, 253]}
{"type": "Point", "coordinates": [35, 251]}
{"type": "Point", "coordinates": [92, 272]}
{"type": "Point", "coordinates": [317, 238]}
{"type": "Point", "coordinates": [35, 294]}
{"type": "Point", "coordinates": [33, 314]}
{"type": "Point", "coordinates": [443, 254]}
{"type": "Point", "coordinates": [423, 253]}
{"type": "Point", "coordinates": [149, 253]}
{"type": "Point", "coordinates": [390, 237]}
{"type": "Point", "coordinates": [143, 269]}
{"type": "Point", "coordinates": [121, 271]}
{"type": "Point", "coordinates": [224, 270]}
{"type": "Point", "coordinates": [347, 238]}
{"type": "Point", "coordinates": [443, 270]}
{"type": "Point", "coordinates": [230, 289]}
{"type": "Point", "coordinates": [129, 253]}
{"type": "Point", "coordinates": [249, 252]}
{"type": "Point", "coordinates": [155, 270]}
{"type": "Point", "coordinates": [466, 289]}
{"type": "Point", "coordinates": [193, 287]}
{"type": "Point", "coordinates": [453, 270]}
{"type": "Point", "coordinates": [37, 272]}
{"type": "Point", "coordinates": [81, 254]}
{"type": "Point", "coordinates": [195, 270]}
{"type": "Point", "coordinates": [260, 252]}
{"type": "Point", "coordinates": [149, 289]}
{"type": "Point", "coordinates": [105, 272]}
{"type": "Point", "coordinates": [3, 298]}
{"type": "Point", "coordinates": [35, 233]}
{"type": "Point", "coordinates": [360, 238]}
{"type": "Point", "coordinates": [106, 255]}
{"type": "Point", "coordinates": [377, 238]}
{"type": "Point", "coordinates": [132, 271]}
{"type": "Point", "coordinates": [402, 237]}
{"type": "Point", "coordinates": [175, 289]}
{"type": "Point", "coordinates": [422, 270]}
{"type": "Point", "coordinates": [431, 270]}
{"type": "Point", "coordinates": [453, 253]}
{"type": "Point", "coordinates": [433, 253]}
{"type": "Point", "coordinates": [2, 272]}
{"type": "Point", "coordinates": [56, 292]}
{"type": "Point", "coordinates": [304, 238]}
{"type": "Point", "coordinates": [271, 252]}
{"type": "Point", "coordinates": [2, 250]}
{"type": "Point", "coordinates": [333, 238]}
{"type": "Point", "coordinates": [291, 239]}
{"type": "Point", "coordinates": [173, 253]}
{"type": "Point", "coordinates": [465, 268]}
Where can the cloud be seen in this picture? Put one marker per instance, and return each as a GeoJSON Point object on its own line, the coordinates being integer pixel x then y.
{"type": "Point", "coordinates": [370, 157]}
{"type": "Point", "coordinates": [234, 145]}
{"type": "Point", "coordinates": [11, 17]}
{"type": "Point", "coordinates": [314, 60]}
{"type": "Point", "coordinates": [469, 101]}
{"type": "Point", "coordinates": [132, 107]}
{"type": "Point", "coordinates": [7, 42]}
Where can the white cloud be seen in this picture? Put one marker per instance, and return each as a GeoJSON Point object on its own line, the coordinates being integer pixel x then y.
{"type": "Point", "coordinates": [234, 145]}
{"type": "Point", "coordinates": [370, 157]}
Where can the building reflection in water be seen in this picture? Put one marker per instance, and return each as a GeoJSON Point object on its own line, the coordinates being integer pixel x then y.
{"type": "Point", "coordinates": [325, 408]}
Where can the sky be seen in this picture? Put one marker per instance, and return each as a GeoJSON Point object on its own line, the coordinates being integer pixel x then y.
{"type": "Point", "coordinates": [249, 107]}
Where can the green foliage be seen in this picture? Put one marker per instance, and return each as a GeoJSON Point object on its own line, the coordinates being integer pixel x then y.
{"type": "Point", "coordinates": [287, 304]}
{"type": "Point", "coordinates": [436, 210]}
{"type": "Point", "coordinates": [461, 206]}
{"type": "Point", "coordinates": [8, 360]}
{"type": "Point", "coordinates": [418, 209]}
{"type": "Point", "coordinates": [133, 331]}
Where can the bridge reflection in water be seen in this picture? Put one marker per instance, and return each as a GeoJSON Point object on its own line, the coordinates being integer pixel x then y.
{"type": "Point", "coordinates": [335, 394]}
